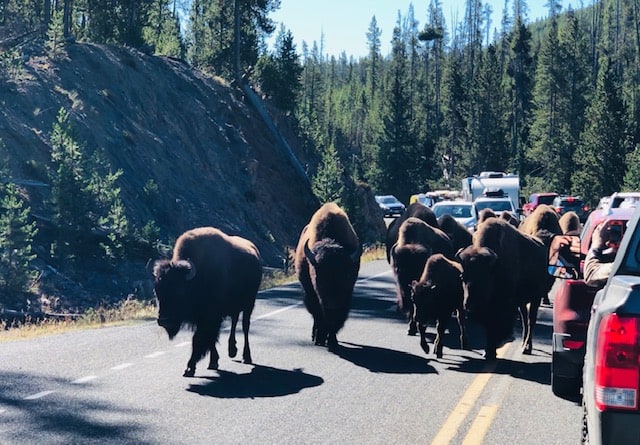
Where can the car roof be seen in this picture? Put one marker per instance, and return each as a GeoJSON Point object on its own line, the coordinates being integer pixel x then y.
{"type": "Point", "coordinates": [452, 202]}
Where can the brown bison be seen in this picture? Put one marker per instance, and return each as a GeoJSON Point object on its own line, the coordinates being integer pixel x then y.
{"type": "Point", "coordinates": [327, 263]}
{"type": "Point", "coordinates": [484, 215]}
{"type": "Point", "coordinates": [460, 236]}
{"type": "Point", "coordinates": [570, 223]}
{"type": "Point", "coordinates": [211, 276]}
{"type": "Point", "coordinates": [504, 270]}
{"type": "Point", "coordinates": [416, 210]}
{"type": "Point", "coordinates": [417, 241]}
{"type": "Point", "coordinates": [437, 295]}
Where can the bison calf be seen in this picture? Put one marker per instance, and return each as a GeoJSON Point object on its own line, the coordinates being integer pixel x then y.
{"type": "Point", "coordinates": [327, 264]}
{"type": "Point", "coordinates": [210, 276]}
{"type": "Point", "coordinates": [437, 295]}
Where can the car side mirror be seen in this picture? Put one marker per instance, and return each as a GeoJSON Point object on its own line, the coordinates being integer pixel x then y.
{"type": "Point", "coordinates": [563, 257]}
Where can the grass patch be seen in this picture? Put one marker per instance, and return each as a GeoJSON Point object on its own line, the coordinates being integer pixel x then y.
{"type": "Point", "coordinates": [131, 309]}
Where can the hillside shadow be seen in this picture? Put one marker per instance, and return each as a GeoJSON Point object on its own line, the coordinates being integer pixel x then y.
{"type": "Point", "coordinates": [262, 381]}
{"type": "Point", "coordinates": [63, 417]}
{"type": "Point", "coordinates": [383, 360]}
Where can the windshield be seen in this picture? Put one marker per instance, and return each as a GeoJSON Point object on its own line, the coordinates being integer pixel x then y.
{"type": "Point", "coordinates": [387, 200]}
{"type": "Point", "coordinates": [457, 211]}
{"type": "Point", "coordinates": [546, 199]}
{"type": "Point", "coordinates": [496, 206]}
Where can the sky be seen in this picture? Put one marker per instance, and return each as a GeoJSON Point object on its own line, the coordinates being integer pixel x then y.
{"type": "Point", "coordinates": [344, 23]}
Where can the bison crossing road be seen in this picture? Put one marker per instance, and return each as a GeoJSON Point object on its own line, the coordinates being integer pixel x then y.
{"type": "Point", "coordinates": [124, 384]}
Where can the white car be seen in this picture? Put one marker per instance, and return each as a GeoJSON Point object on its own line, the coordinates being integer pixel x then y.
{"type": "Point", "coordinates": [462, 211]}
{"type": "Point", "coordinates": [498, 205]}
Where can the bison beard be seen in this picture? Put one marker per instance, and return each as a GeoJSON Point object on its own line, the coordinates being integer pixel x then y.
{"type": "Point", "coordinates": [327, 265]}
{"type": "Point", "coordinates": [210, 276]}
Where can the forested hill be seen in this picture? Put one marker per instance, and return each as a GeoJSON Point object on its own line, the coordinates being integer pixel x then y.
{"type": "Point", "coordinates": [191, 153]}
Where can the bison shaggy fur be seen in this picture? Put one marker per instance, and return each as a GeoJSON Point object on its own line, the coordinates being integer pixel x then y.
{"type": "Point", "coordinates": [459, 235]}
{"type": "Point", "coordinates": [211, 276]}
{"type": "Point", "coordinates": [417, 241]}
{"type": "Point", "coordinates": [504, 270]}
{"type": "Point", "coordinates": [436, 295]}
{"type": "Point", "coordinates": [416, 210]}
{"type": "Point", "coordinates": [327, 263]}
{"type": "Point", "coordinates": [570, 223]}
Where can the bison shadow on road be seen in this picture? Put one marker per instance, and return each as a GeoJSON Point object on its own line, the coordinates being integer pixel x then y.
{"type": "Point", "coordinates": [262, 381]}
{"type": "Point", "coordinates": [383, 360]}
{"type": "Point", "coordinates": [64, 416]}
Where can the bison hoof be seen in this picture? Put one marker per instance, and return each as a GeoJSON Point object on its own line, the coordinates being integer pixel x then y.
{"type": "Point", "coordinates": [425, 347]}
{"type": "Point", "coordinates": [490, 355]}
{"type": "Point", "coordinates": [233, 351]}
{"type": "Point", "coordinates": [189, 372]}
{"type": "Point", "coordinates": [213, 365]}
{"type": "Point", "coordinates": [527, 350]}
{"type": "Point", "coordinates": [439, 354]}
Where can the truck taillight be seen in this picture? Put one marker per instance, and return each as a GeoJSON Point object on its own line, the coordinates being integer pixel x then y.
{"type": "Point", "coordinates": [617, 370]}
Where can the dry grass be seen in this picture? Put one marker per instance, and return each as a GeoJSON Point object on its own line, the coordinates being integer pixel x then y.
{"type": "Point", "coordinates": [131, 310]}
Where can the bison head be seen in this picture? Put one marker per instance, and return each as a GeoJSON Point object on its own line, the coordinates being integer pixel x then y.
{"type": "Point", "coordinates": [408, 263]}
{"type": "Point", "coordinates": [171, 282]}
{"type": "Point", "coordinates": [479, 277]}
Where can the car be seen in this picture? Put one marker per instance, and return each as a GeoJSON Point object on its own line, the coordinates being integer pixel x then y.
{"type": "Point", "coordinates": [624, 199]}
{"type": "Point", "coordinates": [564, 204]}
{"type": "Point", "coordinates": [390, 205]}
{"type": "Point", "coordinates": [462, 211]}
{"type": "Point", "coordinates": [497, 204]}
{"type": "Point", "coordinates": [535, 199]}
{"type": "Point", "coordinates": [422, 198]}
{"type": "Point", "coordinates": [611, 375]}
{"type": "Point", "coordinates": [572, 304]}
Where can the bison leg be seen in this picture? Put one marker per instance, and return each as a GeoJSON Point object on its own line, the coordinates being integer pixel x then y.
{"type": "Point", "coordinates": [413, 325]}
{"type": "Point", "coordinates": [198, 350]}
{"type": "Point", "coordinates": [441, 326]}
{"type": "Point", "coordinates": [463, 339]}
{"type": "Point", "coordinates": [246, 352]}
{"type": "Point", "coordinates": [422, 328]}
{"type": "Point", "coordinates": [332, 341]}
{"type": "Point", "coordinates": [529, 316]}
{"type": "Point", "coordinates": [233, 348]}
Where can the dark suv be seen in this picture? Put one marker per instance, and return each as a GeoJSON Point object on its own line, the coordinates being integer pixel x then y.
{"type": "Point", "coordinates": [564, 204]}
{"type": "Point", "coordinates": [611, 391]}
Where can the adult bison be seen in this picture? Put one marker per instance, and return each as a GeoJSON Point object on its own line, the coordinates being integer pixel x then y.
{"type": "Point", "coordinates": [436, 295]}
{"type": "Point", "coordinates": [327, 263]}
{"type": "Point", "coordinates": [504, 270]}
{"type": "Point", "coordinates": [416, 210]}
{"type": "Point", "coordinates": [570, 223]}
{"type": "Point", "coordinates": [417, 241]}
{"type": "Point", "coordinates": [460, 236]}
{"type": "Point", "coordinates": [211, 276]}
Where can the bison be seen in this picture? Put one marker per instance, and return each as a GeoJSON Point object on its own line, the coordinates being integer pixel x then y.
{"type": "Point", "coordinates": [504, 270]}
{"type": "Point", "coordinates": [570, 223]}
{"type": "Point", "coordinates": [327, 263]}
{"type": "Point", "coordinates": [210, 276]}
{"type": "Point", "coordinates": [437, 295]}
{"type": "Point", "coordinates": [416, 210]}
{"type": "Point", "coordinates": [417, 240]}
{"type": "Point", "coordinates": [460, 236]}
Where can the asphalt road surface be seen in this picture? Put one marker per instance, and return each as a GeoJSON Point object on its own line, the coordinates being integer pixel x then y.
{"type": "Point", "coordinates": [124, 385]}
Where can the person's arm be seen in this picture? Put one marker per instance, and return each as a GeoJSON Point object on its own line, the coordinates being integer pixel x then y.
{"type": "Point", "coordinates": [599, 261]}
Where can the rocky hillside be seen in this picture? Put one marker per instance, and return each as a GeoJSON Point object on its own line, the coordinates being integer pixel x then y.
{"type": "Point", "coordinates": [213, 158]}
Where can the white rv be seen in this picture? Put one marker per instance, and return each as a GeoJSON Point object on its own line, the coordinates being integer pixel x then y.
{"type": "Point", "coordinates": [487, 183]}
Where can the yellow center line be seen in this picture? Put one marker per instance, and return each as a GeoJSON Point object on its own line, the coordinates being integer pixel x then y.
{"type": "Point", "coordinates": [480, 425]}
{"type": "Point", "coordinates": [461, 410]}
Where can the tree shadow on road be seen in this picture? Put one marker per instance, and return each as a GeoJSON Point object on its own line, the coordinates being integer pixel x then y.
{"type": "Point", "coordinates": [383, 360]}
{"type": "Point", "coordinates": [262, 381]}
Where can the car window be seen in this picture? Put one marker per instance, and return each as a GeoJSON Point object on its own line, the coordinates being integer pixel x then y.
{"type": "Point", "coordinates": [546, 200]}
{"type": "Point", "coordinates": [496, 206]}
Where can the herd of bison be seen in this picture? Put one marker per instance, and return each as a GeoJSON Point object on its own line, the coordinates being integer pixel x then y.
{"type": "Point", "coordinates": [440, 268]}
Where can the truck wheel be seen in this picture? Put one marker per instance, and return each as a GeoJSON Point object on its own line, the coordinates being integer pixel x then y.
{"type": "Point", "coordinates": [565, 387]}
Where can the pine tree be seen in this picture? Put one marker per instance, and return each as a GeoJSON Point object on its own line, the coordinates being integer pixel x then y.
{"type": "Point", "coordinates": [599, 159]}
{"type": "Point", "coordinates": [16, 256]}
{"type": "Point", "coordinates": [55, 35]}
{"type": "Point", "coordinates": [327, 183]}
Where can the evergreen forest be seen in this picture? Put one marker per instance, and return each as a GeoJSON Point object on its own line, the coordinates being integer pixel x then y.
{"type": "Point", "coordinates": [556, 101]}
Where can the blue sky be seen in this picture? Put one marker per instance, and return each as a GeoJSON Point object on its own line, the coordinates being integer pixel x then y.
{"type": "Point", "coordinates": [345, 22]}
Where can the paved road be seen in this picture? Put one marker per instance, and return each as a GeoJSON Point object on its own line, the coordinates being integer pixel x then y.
{"type": "Point", "coordinates": [125, 385]}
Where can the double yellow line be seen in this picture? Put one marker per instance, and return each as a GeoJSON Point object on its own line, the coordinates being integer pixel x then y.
{"type": "Point", "coordinates": [483, 420]}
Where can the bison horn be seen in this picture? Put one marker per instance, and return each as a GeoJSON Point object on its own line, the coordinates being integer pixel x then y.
{"type": "Point", "coordinates": [309, 254]}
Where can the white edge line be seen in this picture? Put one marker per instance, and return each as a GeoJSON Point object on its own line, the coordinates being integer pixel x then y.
{"type": "Point", "coordinates": [38, 395]}
{"type": "Point", "coordinates": [122, 366]}
{"type": "Point", "coordinates": [85, 379]}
